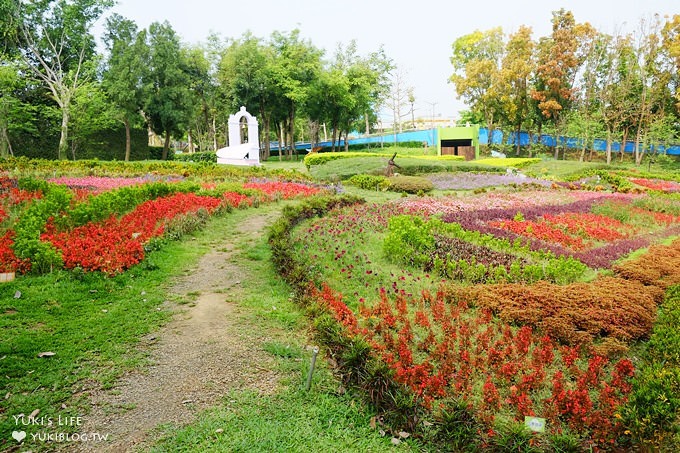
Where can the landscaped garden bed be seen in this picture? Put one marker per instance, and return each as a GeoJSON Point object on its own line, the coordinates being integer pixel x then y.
{"type": "Point", "coordinates": [461, 316]}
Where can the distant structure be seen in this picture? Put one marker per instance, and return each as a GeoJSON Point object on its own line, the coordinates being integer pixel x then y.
{"type": "Point", "coordinates": [241, 152]}
{"type": "Point", "coordinates": [459, 141]}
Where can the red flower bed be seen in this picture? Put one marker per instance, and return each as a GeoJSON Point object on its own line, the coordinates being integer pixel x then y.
{"type": "Point", "coordinates": [543, 231]}
{"type": "Point", "coordinates": [8, 260]}
{"type": "Point", "coordinates": [235, 199]}
{"type": "Point", "coordinates": [657, 184]}
{"type": "Point", "coordinates": [439, 348]}
{"type": "Point", "coordinates": [589, 225]}
{"type": "Point", "coordinates": [116, 244]}
{"type": "Point", "coordinates": [285, 190]}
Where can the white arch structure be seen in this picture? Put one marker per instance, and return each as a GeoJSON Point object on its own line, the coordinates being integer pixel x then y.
{"type": "Point", "coordinates": [238, 153]}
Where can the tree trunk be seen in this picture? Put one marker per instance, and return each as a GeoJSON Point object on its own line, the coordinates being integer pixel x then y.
{"type": "Point", "coordinates": [334, 135]}
{"type": "Point", "coordinates": [166, 145]}
{"type": "Point", "coordinates": [291, 128]}
{"type": "Point", "coordinates": [63, 139]}
{"type": "Point", "coordinates": [5, 143]}
{"type": "Point", "coordinates": [368, 125]}
{"type": "Point", "coordinates": [346, 141]}
{"type": "Point", "coordinates": [126, 122]}
{"type": "Point", "coordinates": [191, 142]}
{"type": "Point", "coordinates": [518, 131]}
{"type": "Point", "coordinates": [266, 149]}
{"type": "Point", "coordinates": [214, 134]}
{"type": "Point", "coordinates": [622, 148]}
{"type": "Point", "coordinates": [281, 140]}
{"type": "Point", "coordinates": [609, 146]}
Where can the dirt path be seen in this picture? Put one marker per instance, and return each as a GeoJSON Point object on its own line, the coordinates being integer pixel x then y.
{"type": "Point", "coordinates": [196, 359]}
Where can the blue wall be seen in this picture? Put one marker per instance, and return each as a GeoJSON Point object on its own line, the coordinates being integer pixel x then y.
{"type": "Point", "coordinates": [430, 137]}
{"type": "Point", "coordinates": [548, 140]}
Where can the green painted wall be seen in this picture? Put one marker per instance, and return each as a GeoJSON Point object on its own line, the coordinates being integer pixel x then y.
{"type": "Point", "coordinates": [459, 133]}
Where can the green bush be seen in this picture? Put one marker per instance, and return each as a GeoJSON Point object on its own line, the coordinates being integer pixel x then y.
{"type": "Point", "coordinates": [409, 240]}
{"type": "Point", "coordinates": [27, 244]}
{"type": "Point", "coordinates": [410, 184]}
{"type": "Point", "coordinates": [652, 413]}
{"type": "Point", "coordinates": [207, 156]}
{"type": "Point", "coordinates": [369, 182]}
{"type": "Point", "coordinates": [323, 158]}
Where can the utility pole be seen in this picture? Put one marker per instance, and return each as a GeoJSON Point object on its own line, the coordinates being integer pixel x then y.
{"type": "Point", "coordinates": [433, 105]}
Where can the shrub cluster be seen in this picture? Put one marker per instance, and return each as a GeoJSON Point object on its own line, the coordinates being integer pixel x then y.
{"type": "Point", "coordinates": [322, 158]}
{"type": "Point", "coordinates": [653, 410]}
{"type": "Point", "coordinates": [207, 156]}
{"type": "Point", "coordinates": [369, 182]}
{"type": "Point", "coordinates": [410, 184]}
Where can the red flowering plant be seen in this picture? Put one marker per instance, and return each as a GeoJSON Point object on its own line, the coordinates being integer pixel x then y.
{"type": "Point", "coordinates": [440, 348]}
{"type": "Point", "coordinates": [116, 244]}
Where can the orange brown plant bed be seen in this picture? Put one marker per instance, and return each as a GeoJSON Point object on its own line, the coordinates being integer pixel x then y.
{"type": "Point", "coordinates": [660, 266]}
{"type": "Point", "coordinates": [578, 313]}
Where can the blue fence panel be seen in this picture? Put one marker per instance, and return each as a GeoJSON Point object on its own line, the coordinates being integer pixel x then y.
{"type": "Point", "coordinates": [429, 136]}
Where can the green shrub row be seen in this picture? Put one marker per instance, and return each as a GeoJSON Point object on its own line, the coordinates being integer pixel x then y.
{"type": "Point", "coordinates": [652, 413]}
{"type": "Point", "coordinates": [410, 240]}
{"type": "Point", "coordinates": [410, 184]}
{"type": "Point", "coordinates": [207, 156]}
{"type": "Point", "coordinates": [322, 158]}
{"type": "Point", "coordinates": [20, 166]}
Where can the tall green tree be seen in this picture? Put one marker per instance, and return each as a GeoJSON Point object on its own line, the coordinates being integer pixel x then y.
{"type": "Point", "coordinates": [91, 113]}
{"type": "Point", "coordinates": [125, 71]}
{"type": "Point", "coordinates": [297, 64]}
{"type": "Point", "coordinates": [16, 114]}
{"type": "Point", "coordinates": [169, 101]}
{"type": "Point", "coordinates": [245, 77]}
{"type": "Point", "coordinates": [57, 46]}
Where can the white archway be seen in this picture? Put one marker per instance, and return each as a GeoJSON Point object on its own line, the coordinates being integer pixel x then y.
{"type": "Point", "coordinates": [238, 153]}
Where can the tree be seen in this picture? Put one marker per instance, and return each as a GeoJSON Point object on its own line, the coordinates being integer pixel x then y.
{"type": "Point", "coordinates": [169, 102]}
{"type": "Point", "coordinates": [398, 98]}
{"type": "Point", "coordinates": [351, 89]}
{"type": "Point", "coordinates": [125, 71]}
{"type": "Point", "coordinates": [245, 78]}
{"type": "Point", "coordinates": [56, 45]}
{"type": "Point", "coordinates": [297, 63]}
{"type": "Point", "coordinates": [476, 63]}
{"type": "Point", "coordinates": [653, 81]}
{"type": "Point", "coordinates": [515, 74]}
{"type": "Point", "coordinates": [585, 119]}
{"type": "Point", "coordinates": [555, 74]}
{"type": "Point", "coordinates": [91, 113]}
{"type": "Point", "coordinates": [9, 12]}
{"type": "Point", "coordinates": [671, 44]}
{"type": "Point", "coordinates": [16, 115]}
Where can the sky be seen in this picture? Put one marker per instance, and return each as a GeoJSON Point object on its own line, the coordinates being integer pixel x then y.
{"type": "Point", "coordinates": [417, 35]}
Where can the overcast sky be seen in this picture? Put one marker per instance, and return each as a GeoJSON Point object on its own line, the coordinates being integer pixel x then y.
{"type": "Point", "coordinates": [416, 34]}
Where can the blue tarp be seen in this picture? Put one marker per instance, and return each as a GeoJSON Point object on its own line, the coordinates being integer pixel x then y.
{"type": "Point", "coordinates": [549, 140]}
{"type": "Point", "coordinates": [429, 136]}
